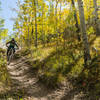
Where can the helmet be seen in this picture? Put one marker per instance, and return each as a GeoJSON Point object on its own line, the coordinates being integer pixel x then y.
{"type": "Point", "coordinates": [13, 39]}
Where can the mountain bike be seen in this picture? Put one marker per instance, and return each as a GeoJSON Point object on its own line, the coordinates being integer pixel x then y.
{"type": "Point", "coordinates": [10, 55]}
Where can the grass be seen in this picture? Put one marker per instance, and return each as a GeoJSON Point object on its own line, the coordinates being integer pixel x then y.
{"type": "Point", "coordinates": [3, 68]}
{"type": "Point", "coordinates": [4, 76]}
{"type": "Point", "coordinates": [54, 65]}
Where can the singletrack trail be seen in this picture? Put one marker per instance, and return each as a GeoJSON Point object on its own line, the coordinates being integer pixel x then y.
{"type": "Point", "coordinates": [25, 84]}
{"type": "Point", "coordinates": [24, 80]}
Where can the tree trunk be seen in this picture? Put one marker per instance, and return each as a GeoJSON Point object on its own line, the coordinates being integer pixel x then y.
{"type": "Point", "coordinates": [75, 17]}
{"type": "Point", "coordinates": [87, 56]}
{"type": "Point", "coordinates": [43, 32]}
{"type": "Point", "coordinates": [95, 9]}
{"type": "Point", "coordinates": [56, 28]}
{"type": "Point", "coordinates": [35, 9]}
{"type": "Point", "coordinates": [96, 16]}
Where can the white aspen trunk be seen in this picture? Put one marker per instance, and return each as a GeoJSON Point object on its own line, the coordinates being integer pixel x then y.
{"type": "Point", "coordinates": [35, 9]}
{"type": "Point", "coordinates": [96, 16]}
{"type": "Point", "coordinates": [56, 28]}
{"type": "Point", "coordinates": [87, 56]}
{"type": "Point", "coordinates": [95, 9]}
{"type": "Point", "coordinates": [43, 25]}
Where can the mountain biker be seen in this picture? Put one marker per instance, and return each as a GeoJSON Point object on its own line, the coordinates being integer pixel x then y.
{"type": "Point", "coordinates": [12, 45]}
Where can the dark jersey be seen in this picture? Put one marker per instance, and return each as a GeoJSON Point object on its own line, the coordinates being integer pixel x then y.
{"type": "Point", "coordinates": [12, 44]}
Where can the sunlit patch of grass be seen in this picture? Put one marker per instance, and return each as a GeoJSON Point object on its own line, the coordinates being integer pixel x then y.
{"type": "Point", "coordinates": [61, 78]}
{"type": "Point", "coordinates": [76, 70]}
{"type": "Point", "coordinates": [42, 53]}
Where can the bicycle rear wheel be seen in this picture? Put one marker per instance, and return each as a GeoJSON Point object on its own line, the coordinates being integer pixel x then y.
{"type": "Point", "coordinates": [10, 56]}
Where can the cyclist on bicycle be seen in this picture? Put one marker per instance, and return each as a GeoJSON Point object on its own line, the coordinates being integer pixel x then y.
{"type": "Point", "coordinates": [12, 45]}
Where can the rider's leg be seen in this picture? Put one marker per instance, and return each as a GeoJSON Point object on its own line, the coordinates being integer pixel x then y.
{"type": "Point", "coordinates": [13, 50]}
{"type": "Point", "coordinates": [8, 50]}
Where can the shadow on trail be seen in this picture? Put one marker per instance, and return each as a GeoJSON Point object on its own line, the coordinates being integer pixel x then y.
{"type": "Point", "coordinates": [24, 82]}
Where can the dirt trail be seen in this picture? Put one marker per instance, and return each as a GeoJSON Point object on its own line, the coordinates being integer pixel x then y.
{"type": "Point", "coordinates": [25, 82]}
